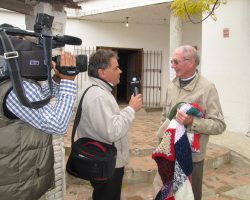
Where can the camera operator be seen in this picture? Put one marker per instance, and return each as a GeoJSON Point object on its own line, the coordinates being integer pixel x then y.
{"type": "Point", "coordinates": [26, 150]}
{"type": "Point", "coordinates": [51, 119]}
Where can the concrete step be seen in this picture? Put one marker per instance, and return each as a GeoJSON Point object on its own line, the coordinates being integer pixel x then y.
{"type": "Point", "coordinates": [140, 173]}
{"type": "Point", "coordinates": [140, 152]}
{"type": "Point", "coordinates": [142, 168]}
{"type": "Point", "coordinates": [216, 156]}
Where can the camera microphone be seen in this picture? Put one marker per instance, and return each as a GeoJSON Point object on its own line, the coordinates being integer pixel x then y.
{"type": "Point", "coordinates": [66, 39]}
{"type": "Point", "coordinates": [135, 85]}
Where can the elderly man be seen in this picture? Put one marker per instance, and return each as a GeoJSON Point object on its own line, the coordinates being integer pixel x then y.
{"type": "Point", "coordinates": [190, 86]}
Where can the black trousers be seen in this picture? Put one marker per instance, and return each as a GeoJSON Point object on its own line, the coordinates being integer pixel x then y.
{"type": "Point", "coordinates": [110, 190]}
{"type": "Point", "coordinates": [197, 177]}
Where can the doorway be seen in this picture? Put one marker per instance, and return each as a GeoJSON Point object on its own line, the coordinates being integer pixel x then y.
{"type": "Point", "coordinates": [130, 62]}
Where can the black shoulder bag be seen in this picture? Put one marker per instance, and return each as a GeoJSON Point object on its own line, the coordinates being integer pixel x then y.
{"type": "Point", "coordinates": [90, 159]}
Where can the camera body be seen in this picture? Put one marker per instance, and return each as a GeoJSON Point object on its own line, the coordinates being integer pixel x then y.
{"type": "Point", "coordinates": [21, 57]}
{"type": "Point", "coordinates": [30, 60]}
{"type": "Point", "coordinates": [32, 55]}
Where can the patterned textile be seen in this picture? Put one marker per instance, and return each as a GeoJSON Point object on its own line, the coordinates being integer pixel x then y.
{"type": "Point", "coordinates": [174, 156]}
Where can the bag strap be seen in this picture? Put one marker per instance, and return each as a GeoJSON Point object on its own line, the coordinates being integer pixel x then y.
{"type": "Point", "coordinates": [97, 144]}
{"type": "Point", "coordinates": [78, 115]}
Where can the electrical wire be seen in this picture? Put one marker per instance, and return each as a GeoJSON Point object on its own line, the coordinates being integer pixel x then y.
{"type": "Point", "coordinates": [210, 13]}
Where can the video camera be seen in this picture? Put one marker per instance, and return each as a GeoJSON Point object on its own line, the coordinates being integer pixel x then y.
{"type": "Point", "coordinates": [31, 54]}
{"type": "Point", "coordinates": [28, 54]}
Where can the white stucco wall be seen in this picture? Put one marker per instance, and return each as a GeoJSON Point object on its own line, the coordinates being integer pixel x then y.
{"type": "Point", "coordinates": [225, 61]}
{"type": "Point", "coordinates": [118, 35]}
{"type": "Point", "coordinates": [13, 18]}
{"type": "Point", "coordinates": [148, 37]}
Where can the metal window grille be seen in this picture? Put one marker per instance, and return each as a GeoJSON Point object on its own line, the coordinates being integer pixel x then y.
{"type": "Point", "coordinates": [152, 66]}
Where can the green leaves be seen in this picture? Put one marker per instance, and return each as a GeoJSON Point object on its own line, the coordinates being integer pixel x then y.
{"type": "Point", "coordinates": [188, 8]}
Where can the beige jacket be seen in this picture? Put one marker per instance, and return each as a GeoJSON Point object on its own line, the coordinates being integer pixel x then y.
{"type": "Point", "coordinates": [203, 92]}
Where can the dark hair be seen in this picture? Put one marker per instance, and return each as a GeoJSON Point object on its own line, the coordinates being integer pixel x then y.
{"type": "Point", "coordinates": [100, 60]}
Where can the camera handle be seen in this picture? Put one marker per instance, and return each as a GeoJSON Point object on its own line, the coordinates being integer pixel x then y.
{"type": "Point", "coordinates": [11, 55]}
{"type": "Point", "coordinates": [69, 70]}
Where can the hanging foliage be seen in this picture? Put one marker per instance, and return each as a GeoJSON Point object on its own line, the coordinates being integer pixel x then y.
{"type": "Point", "coordinates": [189, 8]}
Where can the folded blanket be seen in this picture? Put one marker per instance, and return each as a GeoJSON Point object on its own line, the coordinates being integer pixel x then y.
{"type": "Point", "coordinates": [174, 156]}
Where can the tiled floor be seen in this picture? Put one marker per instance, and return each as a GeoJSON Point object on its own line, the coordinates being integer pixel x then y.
{"type": "Point", "coordinates": [216, 184]}
{"type": "Point", "coordinates": [229, 182]}
{"type": "Point", "coordinates": [230, 177]}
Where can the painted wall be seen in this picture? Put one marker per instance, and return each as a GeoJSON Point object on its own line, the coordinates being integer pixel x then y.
{"type": "Point", "coordinates": [225, 61]}
{"type": "Point", "coordinates": [13, 18]}
{"type": "Point", "coordinates": [148, 37]}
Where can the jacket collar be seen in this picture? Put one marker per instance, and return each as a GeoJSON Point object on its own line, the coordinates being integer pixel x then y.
{"type": "Point", "coordinates": [102, 83]}
{"type": "Point", "coordinates": [191, 85]}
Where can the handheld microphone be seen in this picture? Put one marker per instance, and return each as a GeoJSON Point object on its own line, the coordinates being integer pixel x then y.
{"type": "Point", "coordinates": [135, 85]}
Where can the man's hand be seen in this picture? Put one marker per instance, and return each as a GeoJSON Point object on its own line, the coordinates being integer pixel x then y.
{"type": "Point", "coordinates": [136, 102]}
{"type": "Point", "coordinates": [67, 60]}
{"type": "Point", "coordinates": [184, 118]}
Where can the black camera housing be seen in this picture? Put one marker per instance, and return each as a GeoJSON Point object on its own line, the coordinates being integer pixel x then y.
{"type": "Point", "coordinates": [32, 59]}
{"type": "Point", "coordinates": [31, 55]}
{"type": "Point", "coordinates": [43, 20]}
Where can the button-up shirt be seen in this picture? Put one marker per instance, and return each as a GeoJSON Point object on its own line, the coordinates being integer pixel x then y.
{"type": "Point", "coordinates": [53, 118]}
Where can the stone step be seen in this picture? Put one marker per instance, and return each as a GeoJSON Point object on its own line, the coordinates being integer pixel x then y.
{"type": "Point", "coordinates": [214, 182]}
{"type": "Point", "coordinates": [140, 152]}
{"type": "Point", "coordinates": [142, 168]}
{"type": "Point", "coordinates": [134, 152]}
{"type": "Point", "coordinates": [216, 156]}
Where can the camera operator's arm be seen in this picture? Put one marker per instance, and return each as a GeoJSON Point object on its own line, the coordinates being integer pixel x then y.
{"type": "Point", "coordinates": [51, 118]}
{"type": "Point", "coordinates": [66, 60]}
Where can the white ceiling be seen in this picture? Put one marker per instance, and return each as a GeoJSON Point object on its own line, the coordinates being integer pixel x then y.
{"type": "Point", "coordinates": [151, 14]}
{"type": "Point", "coordinates": [157, 14]}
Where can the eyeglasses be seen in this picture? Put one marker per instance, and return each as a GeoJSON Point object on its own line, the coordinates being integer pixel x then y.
{"type": "Point", "coordinates": [177, 62]}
